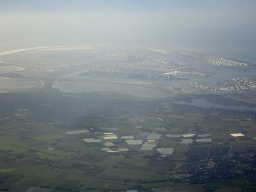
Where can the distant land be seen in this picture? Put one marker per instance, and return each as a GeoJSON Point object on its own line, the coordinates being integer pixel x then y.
{"type": "Point", "coordinates": [126, 118]}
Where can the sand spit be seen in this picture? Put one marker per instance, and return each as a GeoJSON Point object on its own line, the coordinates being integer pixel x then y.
{"type": "Point", "coordinates": [55, 48]}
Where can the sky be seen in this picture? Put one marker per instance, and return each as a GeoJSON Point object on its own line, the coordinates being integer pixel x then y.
{"type": "Point", "coordinates": [216, 25]}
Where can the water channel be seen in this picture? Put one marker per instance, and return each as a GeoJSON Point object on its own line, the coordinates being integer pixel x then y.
{"type": "Point", "coordinates": [206, 104]}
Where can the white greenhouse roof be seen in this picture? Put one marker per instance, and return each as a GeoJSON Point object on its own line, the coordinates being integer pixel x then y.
{"type": "Point", "coordinates": [77, 132]}
{"type": "Point", "coordinates": [92, 140]}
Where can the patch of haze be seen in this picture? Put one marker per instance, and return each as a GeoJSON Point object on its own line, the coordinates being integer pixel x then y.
{"type": "Point", "coordinates": [217, 27]}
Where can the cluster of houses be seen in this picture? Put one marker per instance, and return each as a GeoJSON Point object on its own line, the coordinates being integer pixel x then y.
{"type": "Point", "coordinates": [226, 62]}
{"type": "Point", "coordinates": [239, 87]}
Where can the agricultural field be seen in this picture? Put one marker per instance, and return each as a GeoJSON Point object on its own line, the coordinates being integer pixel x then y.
{"type": "Point", "coordinates": [42, 147]}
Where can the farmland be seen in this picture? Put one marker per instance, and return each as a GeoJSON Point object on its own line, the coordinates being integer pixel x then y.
{"type": "Point", "coordinates": [95, 119]}
{"type": "Point", "coordinates": [38, 152]}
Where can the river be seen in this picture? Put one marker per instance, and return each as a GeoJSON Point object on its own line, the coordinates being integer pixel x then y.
{"type": "Point", "coordinates": [206, 104]}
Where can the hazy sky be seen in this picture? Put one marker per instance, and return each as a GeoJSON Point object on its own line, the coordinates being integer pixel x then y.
{"type": "Point", "coordinates": [218, 25]}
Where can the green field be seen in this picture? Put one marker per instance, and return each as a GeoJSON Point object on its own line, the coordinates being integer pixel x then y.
{"type": "Point", "coordinates": [39, 153]}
